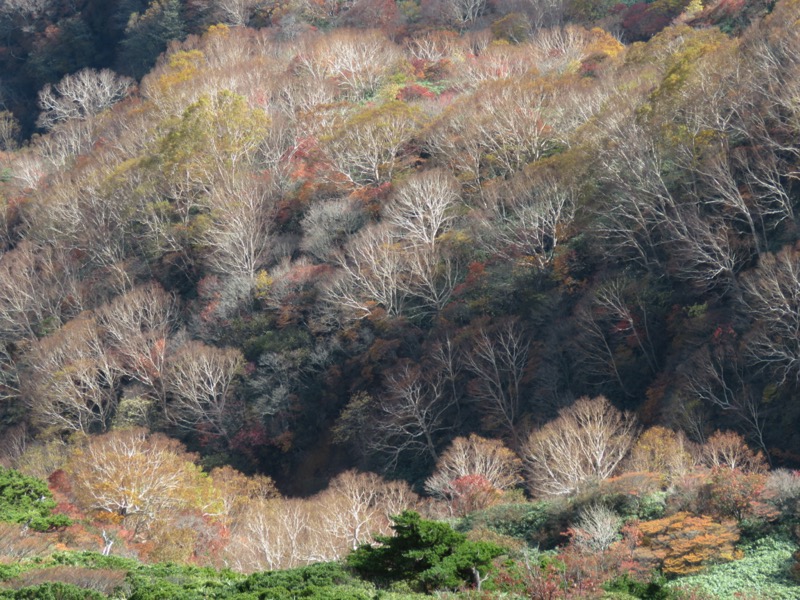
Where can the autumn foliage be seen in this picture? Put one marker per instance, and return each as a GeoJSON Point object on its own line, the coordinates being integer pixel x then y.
{"type": "Point", "coordinates": [684, 543]}
{"type": "Point", "coordinates": [296, 259]}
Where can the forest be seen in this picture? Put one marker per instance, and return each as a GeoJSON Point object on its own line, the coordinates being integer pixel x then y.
{"type": "Point", "coordinates": [303, 284]}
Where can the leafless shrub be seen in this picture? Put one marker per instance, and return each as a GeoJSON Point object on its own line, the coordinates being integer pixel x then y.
{"type": "Point", "coordinates": [596, 528]}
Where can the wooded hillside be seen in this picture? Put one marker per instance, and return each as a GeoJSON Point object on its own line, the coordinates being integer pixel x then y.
{"type": "Point", "coordinates": [302, 250]}
{"type": "Point", "coordinates": [491, 251]}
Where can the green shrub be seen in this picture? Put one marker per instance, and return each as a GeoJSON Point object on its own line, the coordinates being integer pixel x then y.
{"type": "Point", "coordinates": [9, 571]}
{"type": "Point", "coordinates": [624, 587]}
{"type": "Point", "coordinates": [521, 521]}
{"type": "Point", "coordinates": [317, 577]}
{"type": "Point", "coordinates": [168, 581]}
{"type": "Point", "coordinates": [630, 506]}
{"type": "Point", "coordinates": [428, 555]}
{"type": "Point", "coordinates": [27, 500]}
{"type": "Point", "coordinates": [94, 560]}
{"type": "Point", "coordinates": [52, 591]}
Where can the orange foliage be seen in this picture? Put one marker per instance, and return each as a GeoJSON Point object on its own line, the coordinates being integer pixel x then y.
{"type": "Point", "coordinates": [682, 543]}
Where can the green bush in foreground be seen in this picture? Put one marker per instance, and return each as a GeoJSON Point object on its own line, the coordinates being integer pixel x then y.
{"type": "Point", "coordinates": [26, 500]}
{"type": "Point", "coordinates": [326, 581]}
{"type": "Point", "coordinates": [428, 555]}
{"type": "Point", "coordinates": [624, 588]}
{"type": "Point", "coordinates": [51, 591]}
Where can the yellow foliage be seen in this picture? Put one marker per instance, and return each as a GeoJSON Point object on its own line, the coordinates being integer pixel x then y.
{"type": "Point", "coordinates": [220, 30]}
{"type": "Point", "coordinates": [182, 67]}
{"type": "Point", "coordinates": [661, 450]}
{"type": "Point", "coordinates": [695, 7]}
{"type": "Point", "coordinates": [603, 42]}
{"type": "Point", "coordinates": [262, 285]}
{"type": "Point", "coordinates": [214, 136]}
{"type": "Point", "coordinates": [141, 477]}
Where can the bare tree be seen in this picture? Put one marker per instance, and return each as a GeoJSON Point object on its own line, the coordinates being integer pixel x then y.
{"type": "Point", "coordinates": [544, 13]}
{"type": "Point", "coordinates": [239, 233]}
{"type": "Point", "coordinates": [357, 61]}
{"type": "Point", "coordinates": [65, 142]}
{"type": "Point", "coordinates": [24, 304]}
{"type": "Point", "coordinates": [582, 446]}
{"type": "Point", "coordinates": [475, 456]}
{"type": "Point", "coordinates": [716, 375]}
{"type": "Point", "coordinates": [411, 415]}
{"type": "Point", "coordinates": [630, 315]}
{"type": "Point", "coordinates": [328, 225]}
{"type": "Point", "coordinates": [15, 443]}
{"type": "Point", "coordinates": [351, 510]}
{"type": "Point", "coordinates": [200, 380]}
{"type": "Point", "coordinates": [73, 380]}
{"type": "Point", "coordinates": [423, 207]}
{"type": "Point", "coordinates": [771, 117]}
{"type": "Point", "coordinates": [9, 131]}
{"type": "Point", "coordinates": [273, 535]}
{"type": "Point", "coordinates": [728, 450]}
{"type": "Point", "coordinates": [721, 187]}
{"type": "Point", "coordinates": [772, 296]}
{"type": "Point", "coordinates": [646, 218]}
{"type": "Point", "coordinates": [371, 270]}
{"type": "Point", "coordinates": [28, 168]}
{"type": "Point", "coordinates": [498, 359]}
{"type": "Point", "coordinates": [137, 327]}
{"type": "Point", "coordinates": [433, 46]}
{"type": "Point", "coordinates": [38, 289]}
{"type": "Point", "coordinates": [88, 217]}
{"type": "Point", "coordinates": [354, 508]}
{"type": "Point", "coordinates": [26, 12]}
{"type": "Point", "coordinates": [516, 124]}
{"type": "Point", "coordinates": [450, 139]}
{"type": "Point", "coordinates": [597, 528]}
{"type": "Point", "coordinates": [466, 11]}
{"type": "Point", "coordinates": [81, 96]}
{"type": "Point", "coordinates": [596, 348]}
{"type": "Point", "coordinates": [235, 12]}
{"type": "Point", "coordinates": [9, 374]}
{"type": "Point", "coordinates": [634, 169]}
{"type": "Point", "coordinates": [703, 251]}
{"type": "Point", "coordinates": [532, 218]}
{"type": "Point", "coordinates": [558, 47]}
{"type": "Point", "coordinates": [497, 62]}
{"type": "Point", "coordinates": [432, 275]}
{"type": "Point", "coordinates": [367, 148]}
{"type": "Point", "coordinates": [448, 360]}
